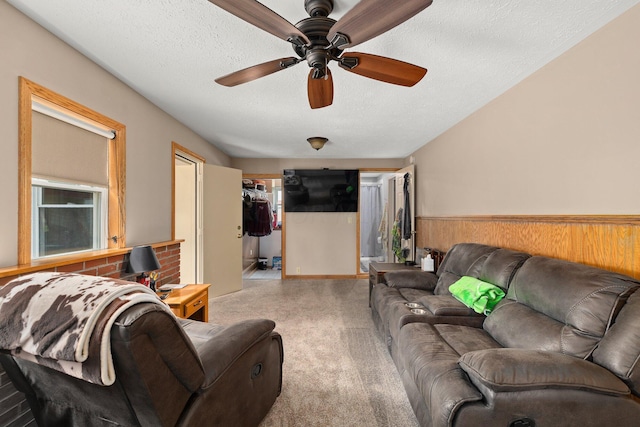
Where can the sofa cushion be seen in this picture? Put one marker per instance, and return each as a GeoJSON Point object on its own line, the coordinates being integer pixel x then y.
{"type": "Point", "coordinates": [500, 267]}
{"type": "Point", "coordinates": [558, 306]}
{"type": "Point", "coordinates": [619, 350]}
{"type": "Point", "coordinates": [510, 369]}
{"type": "Point", "coordinates": [432, 364]}
{"type": "Point", "coordinates": [462, 259]}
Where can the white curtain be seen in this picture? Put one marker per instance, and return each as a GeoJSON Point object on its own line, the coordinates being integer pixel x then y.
{"type": "Point", "coordinates": [370, 216]}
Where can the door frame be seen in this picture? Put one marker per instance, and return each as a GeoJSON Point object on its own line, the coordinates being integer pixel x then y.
{"type": "Point", "coordinates": [184, 153]}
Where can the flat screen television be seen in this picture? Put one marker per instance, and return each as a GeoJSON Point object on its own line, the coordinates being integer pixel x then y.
{"type": "Point", "coordinates": [320, 190]}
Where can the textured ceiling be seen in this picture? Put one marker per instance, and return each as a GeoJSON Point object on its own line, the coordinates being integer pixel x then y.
{"type": "Point", "coordinates": [171, 51]}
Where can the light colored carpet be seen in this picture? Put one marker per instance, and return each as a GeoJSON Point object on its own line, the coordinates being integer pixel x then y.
{"type": "Point", "coordinates": [336, 371]}
{"type": "Point", "coordinates": [268, 274]}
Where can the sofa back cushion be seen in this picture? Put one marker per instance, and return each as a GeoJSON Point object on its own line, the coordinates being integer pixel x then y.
{"type": "Point", "coordinates": [559, 306]}
{"type": "Point", "coordinates": [619, 350]}
{"type": "Point", "coordinates": [463, 259]}
{"type": "Point", "coordinates": [487, 263]}
{"type": "Point", "coordinates": [500, 267]}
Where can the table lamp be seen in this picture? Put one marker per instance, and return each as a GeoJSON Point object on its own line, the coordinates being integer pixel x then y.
{"type": "Point", "coordinates": [143, 260]}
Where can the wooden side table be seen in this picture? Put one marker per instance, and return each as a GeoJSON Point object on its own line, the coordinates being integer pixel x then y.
{"type": "Point", "coordinates": [190, 302]}
{"type": "Point", "coordinates": [377, 270]}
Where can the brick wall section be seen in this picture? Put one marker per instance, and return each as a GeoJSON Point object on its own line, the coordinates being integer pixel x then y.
{"type": "Point", "coordinates": [14, 409]}
{"type": "Point", "coordinates": [116, 266]}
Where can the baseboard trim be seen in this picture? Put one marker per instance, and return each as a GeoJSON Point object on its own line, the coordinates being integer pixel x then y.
{"type": "Point", "coordinates": [319, 276]}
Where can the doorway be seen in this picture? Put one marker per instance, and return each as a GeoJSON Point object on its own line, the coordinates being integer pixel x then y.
{"type": "Point", "coordinates": [187, 221]}
{"type": "Point", "coordinates": [376, 209]}
{"type": "Point", "coordinates": [386, 233]}
{"type": "Point", "coordinates": [262, 252]}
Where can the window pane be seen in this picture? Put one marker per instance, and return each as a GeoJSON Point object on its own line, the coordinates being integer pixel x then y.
{"type": "Point", "coordinates": [55, 196]}
{"type": "Point", "coordinates": [65, 230]}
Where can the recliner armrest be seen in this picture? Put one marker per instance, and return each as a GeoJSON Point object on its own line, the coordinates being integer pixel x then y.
{"type": "Point", "coordinates": [446, 305]}
{"type": "Point", "coordinates": [416, 279]}
{"type": "Point", "coordinates": [220, 346]}
{"type": "Point", "coordinates": [510, 369]}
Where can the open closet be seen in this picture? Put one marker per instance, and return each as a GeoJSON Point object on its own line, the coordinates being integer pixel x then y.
{"type": "Point", "coordinates": [261, 241]}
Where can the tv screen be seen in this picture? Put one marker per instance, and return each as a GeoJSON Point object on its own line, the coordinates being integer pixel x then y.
{"type": "Point", "coordinates": [320, 190]}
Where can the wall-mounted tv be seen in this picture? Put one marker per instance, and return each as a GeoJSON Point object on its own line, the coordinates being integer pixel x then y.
{"type": "Point", "coordinates": [320, 190]}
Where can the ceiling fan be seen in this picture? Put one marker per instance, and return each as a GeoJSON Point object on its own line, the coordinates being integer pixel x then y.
{"type": "Point", "coordinates": [320, 39]}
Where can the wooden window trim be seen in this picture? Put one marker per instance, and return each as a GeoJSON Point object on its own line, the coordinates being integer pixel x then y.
{"type": "Point", "coordinates": [28, 91]}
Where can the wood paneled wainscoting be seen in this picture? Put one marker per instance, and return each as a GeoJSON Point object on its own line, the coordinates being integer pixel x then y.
{"type": "Point", "coordinates": [611, 242]}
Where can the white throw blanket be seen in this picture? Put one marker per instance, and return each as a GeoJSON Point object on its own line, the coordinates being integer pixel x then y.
{"type": "Point", "coordinates": [63, 320]}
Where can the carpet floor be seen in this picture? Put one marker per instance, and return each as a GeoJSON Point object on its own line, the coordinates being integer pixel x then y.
{"type": "Point", "coordinates": [269, 274]}
{"type": "Point", "coordinates": [336, 371]}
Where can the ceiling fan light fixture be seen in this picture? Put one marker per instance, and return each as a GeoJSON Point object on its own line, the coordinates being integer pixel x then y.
{"type": "Point", "coordinates": [317, 142]}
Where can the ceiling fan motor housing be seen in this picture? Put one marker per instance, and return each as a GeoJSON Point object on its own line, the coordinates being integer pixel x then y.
{"type": "Point", "coordinates": [318, 7]}
{"type": "Point", "coordinates": [317, 54]}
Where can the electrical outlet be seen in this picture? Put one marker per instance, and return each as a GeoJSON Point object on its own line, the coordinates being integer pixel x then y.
{"type": "Point", "coordinates": [250, 251]}
{"type": "Point", "coordinates": [349, 219]}
{"type": "Point", "coordinates": [297, 270]}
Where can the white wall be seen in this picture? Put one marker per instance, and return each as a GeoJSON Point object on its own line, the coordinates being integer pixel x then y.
{"type": "Point", "coordinates": [566, 140]}
{"type": "Point", "coordinates": [28, 50]}
{"type": "Point", "coordinates": [318, 243]}
{"type": "Point", "coordinates": [321, 243]}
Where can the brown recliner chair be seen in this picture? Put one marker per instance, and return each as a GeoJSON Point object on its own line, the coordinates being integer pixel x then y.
{"type": "Point", "coordinates": [169, 372]}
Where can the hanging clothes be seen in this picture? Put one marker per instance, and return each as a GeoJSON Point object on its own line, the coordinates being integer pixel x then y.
{"type": "Point", "coordinates": [262, 218]}
{"type": "Point", "coordinates": [247, 212]}
{"type": "Point", "coordinates": [406, 221]}
{"type": "Point", "coordinates": [257, 214]}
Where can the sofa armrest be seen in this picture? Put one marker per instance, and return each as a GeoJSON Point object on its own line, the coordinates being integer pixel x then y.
{"type": "Point", "coordinates": [219, 347]}
{"type": "Point", "coordinates": [416, 279]}
{"type": "Point", "coordinates": [447, 305]}
{"type": "Point", "coordinates": [510, 369]}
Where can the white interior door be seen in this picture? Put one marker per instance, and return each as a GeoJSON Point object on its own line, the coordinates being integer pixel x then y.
{"type": "Point", "coordinates": [222, 229]}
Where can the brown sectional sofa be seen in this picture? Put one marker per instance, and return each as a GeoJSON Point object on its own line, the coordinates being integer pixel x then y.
{"type": "Point", "coordinates": [561, 349]}
{"type": "Point", "coordinates": [431, 290]}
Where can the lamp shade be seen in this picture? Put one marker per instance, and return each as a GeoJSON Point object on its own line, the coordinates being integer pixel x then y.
{"type": "Point", "coordinates": [317, 142]}
{"type": "Point", "coordinates": [143, 259]}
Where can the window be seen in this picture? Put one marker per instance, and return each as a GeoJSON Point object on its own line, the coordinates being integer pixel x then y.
{"type": "Point", "coordinates": [52, 207]}
{"type": "Point", "coordinates": [67, 218]}
{"type": "Point", "coordinates": [277, 200]}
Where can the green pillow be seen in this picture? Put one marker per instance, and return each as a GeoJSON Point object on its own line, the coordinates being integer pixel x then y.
{"type": "Point", "coordinates": [476, 294]}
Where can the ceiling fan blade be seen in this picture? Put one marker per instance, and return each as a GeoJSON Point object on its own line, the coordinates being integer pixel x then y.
{"type": "Point", "coordinates": [262, 17]}
{"type": "Point", "coordinates": [257, 71]}
{"type": "Point", "coordinates": [382, 68]}
{"type": "Point", "coordinates": [320, 90]}
{"type": "Point", "coordinates": [370, 18]}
